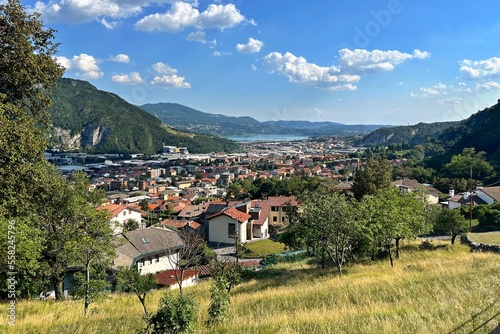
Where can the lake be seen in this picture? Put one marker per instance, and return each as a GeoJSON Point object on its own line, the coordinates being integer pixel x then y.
{"type": "Point", "coordinates": [265, 138]}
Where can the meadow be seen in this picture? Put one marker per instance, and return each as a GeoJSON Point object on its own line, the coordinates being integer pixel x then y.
{"type": "Point", "coordinates": [448, 290]}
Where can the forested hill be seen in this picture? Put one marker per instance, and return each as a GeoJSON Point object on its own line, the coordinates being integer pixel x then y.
{"type": "Point", "coordinates": [410, 134]}
{"type": "Point", "coordinates": [481, 131]}
{"type": "Point", "coordinates": [85, 118]}
{"type": "Point", "coordinates": [186, 118]}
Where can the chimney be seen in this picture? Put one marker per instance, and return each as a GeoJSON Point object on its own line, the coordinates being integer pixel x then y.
{"type": "Point", "coordinates": [452, 192]}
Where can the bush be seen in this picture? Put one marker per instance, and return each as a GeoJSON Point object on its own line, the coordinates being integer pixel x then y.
{"type": "Point", "coordinates": [175, 315]}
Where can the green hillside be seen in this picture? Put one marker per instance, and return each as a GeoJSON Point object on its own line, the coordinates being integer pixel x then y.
{"type": "Point", "coordinates": [410, 134]}
{"type": "Point", "coordinates": [443, 291]}
{"type": "Point", "coordinates": [85, 118]}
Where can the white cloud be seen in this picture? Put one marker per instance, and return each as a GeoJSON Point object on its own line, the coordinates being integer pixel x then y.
{"type": "Point", "coordinates": [220, 54]}
{"type": "Point", "coordinates": [480, 68]}
{"type": "Point", "coordinates": [170, 81]}
{"type": "Point", "coordinates": [133, 78]}
{"type": "Point", "coordinates": [451, 101]}
{"type": "Point", "coordinates": [198, 36]}
{"type": "Point", "coordinates": [429, 91]}
{"type": "Point", "coordinates": [364, 61]}
{"type": "Point", "coordinates": [84, 66]}
{"type": "Point", "coordinates": [491, 85]}
{"type": "Point", "coordinates": [182, 15]}
{"type": "Point", "coordinates": [254, 68]}
{"type": "Point", "coordinates": [252, 46]}
{"type": "Point", "coordinates": [121, 58]}
{"type": "Point", "coordinates": [163, 68]}
{"type": "Point", "coordinates": [83, 11]}
{"type": "Point", "coordinates": [298, 70]}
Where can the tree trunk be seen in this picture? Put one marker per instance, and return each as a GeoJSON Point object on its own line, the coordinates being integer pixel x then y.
{"type": "Point", "coordinates": [453, 239]}
{"type": "Point", "coordinates": [87, 288]}
{"type": "Point", "coordinates": [397, 248]}
{"type": "Point", "coordinates": [390, 255]}
{"type": "Point", "coordinates": [143, 302]}
{"type": "Point", "coordinates": [58, 287]}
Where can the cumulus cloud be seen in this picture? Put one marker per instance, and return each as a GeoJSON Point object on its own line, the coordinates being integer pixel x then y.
{"type": "Point", "coordinates": [198, 36]}
{"type": "Point", "coordinates": [220, 54]}
{"type": "Point", "coordinates": [133, 78]}
{"type": "Point", "coordinates": [480, 68]}
{"type": "Point", "coordinates": [182, 15]}
{"type": "Point", "coordinates": [364, 61]}
{"type": "Point", "coordinates": [298, 70]}
{"type": "Point", "coordinates": [451, 101]}
{"type": "Point", "coordinates": [170, 81]}
{"type": "Point", "coordinates": [84, 66]}
{"type": "Point", "coordinates": [252, 46]}
{"type": "Point", "coordinates": [121, 58]}
{"type": "Point", "coordinates": [163, 68]}
{"type": "Point", "coordinates": [490, 85]}
{"type": "Point", "coordinates": [83, 11]}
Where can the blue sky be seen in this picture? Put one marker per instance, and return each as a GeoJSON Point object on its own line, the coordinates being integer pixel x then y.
{"type": "Point", "coordinates": [347, 61]}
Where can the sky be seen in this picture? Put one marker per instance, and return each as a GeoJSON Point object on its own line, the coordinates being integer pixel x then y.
{"type": "Point", "coordinates": [349, 61]}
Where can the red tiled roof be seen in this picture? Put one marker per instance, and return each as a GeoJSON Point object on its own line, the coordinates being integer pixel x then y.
{"type": "Point", "coordinates": [233, 213]}
{"type": "Point", "coordinates": [282, 200]}
{"type": "Point", "coordinates": [168, 277]}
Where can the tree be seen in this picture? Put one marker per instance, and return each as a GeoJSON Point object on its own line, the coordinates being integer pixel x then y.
{"type": "Point", "coordinates": [326, 225]}
{"type": "Point", "coordinates": [27, 72]}
{"type": "Point", "coordinates": [130, 225]}
{"type": "Point", "coordinates": [130, 280]}
{"type": "Point", "coordinates": [462, 165]}
{"type": "Point", "coordinates": [450, 222]}
{"type": "Point", "coordinates": [93, 250]}
{"type": "Point", "coordinates": [376, 175]}
{"type": "Point", "coordinates": [190, 255]}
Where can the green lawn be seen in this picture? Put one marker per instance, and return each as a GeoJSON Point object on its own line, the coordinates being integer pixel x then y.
{"type": "Point", "coordinates": [489, 238]}
{"type": "Point", "coordinates": [263, 248]}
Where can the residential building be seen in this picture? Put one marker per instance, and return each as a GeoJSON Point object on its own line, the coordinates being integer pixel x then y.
{"type": "Point", "coordinates": [278, 206]}
{"type": "Point", "coordinates": [120, 214]}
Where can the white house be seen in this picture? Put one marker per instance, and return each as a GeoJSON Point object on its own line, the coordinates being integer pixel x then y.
{"type": "Point", "coordinates": [119, 215]}
{"type": "Point", "coordinates": [150, 250]}
{"type": "Point", "coordinates": [227, 226]}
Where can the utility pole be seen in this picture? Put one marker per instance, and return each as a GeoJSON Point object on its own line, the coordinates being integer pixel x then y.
{"type": "Point", "coordinates": [470, 200]}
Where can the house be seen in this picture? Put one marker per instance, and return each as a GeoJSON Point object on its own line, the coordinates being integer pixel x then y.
{"type": "Point", "coordinates": [278, 206]}
{"type": "Point", "coordinates": [406, 184]}
{"type": "Point", "coordinates": [259, 212]}
{"type": "Point", "coordinates": [455, 201]}
{"type": "Point", "coordinates": [186, 225]}
{"type": "Point", "coordinates": [227, 226]}
{"type": "Point", "coordinates": [170, 278]}
{"type": "Point", "coordinates": [120, 214]}
{"type": "Point", "coordinates": [489, 195]}
{"type": "Point", "coordinates": [148, 250]}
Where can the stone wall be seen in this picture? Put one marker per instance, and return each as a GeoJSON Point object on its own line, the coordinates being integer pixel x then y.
{"type": "Point", "coordinates": [464, 238]}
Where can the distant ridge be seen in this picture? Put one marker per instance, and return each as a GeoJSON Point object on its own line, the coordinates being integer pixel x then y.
{"type": "Point", "coordinates": [186, 118]}
{"type": "Point", "coordinates": [87, 119]}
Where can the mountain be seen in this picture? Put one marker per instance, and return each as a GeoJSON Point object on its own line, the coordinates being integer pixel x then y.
{"type": "Point", "coordinates": [479, 131]}
{"type": "Point", "coordinates": [410, 134]}
{"type": "Point", "coordinates": [190, 119]}
{"type": "Point", "coordinates": [88, 119]}
{"type": "Point", "coordinates": [185, 118]}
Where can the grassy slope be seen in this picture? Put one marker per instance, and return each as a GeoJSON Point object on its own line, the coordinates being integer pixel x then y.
{"type": "Point", "coordinates": [489, 238]}
{"type": "Point", "coordinates": [426, 292]}
{"type": "Point", "coordinates": [263, 248]}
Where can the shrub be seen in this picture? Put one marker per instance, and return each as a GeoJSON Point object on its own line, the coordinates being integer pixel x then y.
{"type": "Point", "coordinates": [175, 315]}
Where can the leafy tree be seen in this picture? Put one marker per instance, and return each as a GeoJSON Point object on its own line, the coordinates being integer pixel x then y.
{"type": "Point", "coordinates": [130, 280]}
{"type": "Point", "coordinates": [450, 222]}
{"type": "Point", "coordinates": [27, 72]}
{"type": "Point", "coordinates": [376, 175]}
{"type": "Point", "coordinates": [144, 204]}
{"type": "Point", "coordinates": [94, 248]}
{"type": "Point", "coordinates": [130, 225]}
{"type": "Point", "coordinates": [218, 309]}
{"type": "Point", "coordinates": [462, 165]}
{"type": "Point", "coordinates": [175, 315]}
{"type": "Point", "coordinates": [326, 225]}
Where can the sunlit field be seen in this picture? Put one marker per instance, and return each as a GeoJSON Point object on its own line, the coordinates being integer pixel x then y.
{"type": "Point", "coordinates": [448, 290]}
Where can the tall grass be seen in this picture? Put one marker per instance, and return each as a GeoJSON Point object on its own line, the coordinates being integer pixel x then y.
{"type": "Point", "coordinates": [444, 291]}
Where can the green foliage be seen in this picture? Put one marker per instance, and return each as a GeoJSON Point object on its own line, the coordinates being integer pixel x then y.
{"type": "Point", "coordinates": [218, 310]}
{"type": "Point", "coordinates": [130, 280]}
{"type": "Point", "coordinates": [488, 216]}
{"type": "Point", "coordinates": [124, 128]}
{"type": "Point", "coordinates": [468, 164]}
{"type": "Point", "coordinates": [450, 222]}
{"type": "Point", "coordinates": [130, 225]}
{"type": "Point", "coordinates": [175, 315]}
{"type": "Point", "coordinates": [376, 175]}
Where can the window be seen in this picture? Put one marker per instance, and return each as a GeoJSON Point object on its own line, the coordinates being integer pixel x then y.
{"type": "Point", "coordinates": [157, 258]}
{"type": "Point", "coordinates": [274, 208]}
{"type": "Point", "coordinates": [231, 230]}
{"type": "Point", "coordinates": [275, 219]}
{"type": "Point", "coordinates": [283, 218]}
